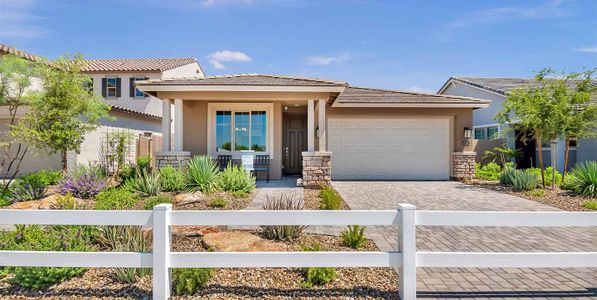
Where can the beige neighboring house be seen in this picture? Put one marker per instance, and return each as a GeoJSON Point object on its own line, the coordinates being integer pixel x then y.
{"type": "Point", "coordinates": [132, 110]}
{"type": "Point", "coordinates": [320, 129]}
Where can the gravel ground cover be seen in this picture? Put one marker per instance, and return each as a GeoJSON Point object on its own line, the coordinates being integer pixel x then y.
{"type": "Point", "coordinates": [258, 283]}
{"type": "Point", "coordinates": [557, 197]}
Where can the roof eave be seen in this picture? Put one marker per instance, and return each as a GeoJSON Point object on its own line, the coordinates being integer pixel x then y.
{"type": "Point", "coordinates": [413, 105]}
{"type": "Point", "coordinates": [149, 88]}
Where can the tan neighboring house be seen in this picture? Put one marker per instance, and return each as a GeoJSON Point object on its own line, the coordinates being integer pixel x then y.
{"type": "Point", "coordinates": [132, 110]}
{"type": "Point", "coordinates": [320, 129]}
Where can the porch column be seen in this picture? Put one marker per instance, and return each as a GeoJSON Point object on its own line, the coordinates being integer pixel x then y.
{"type": "Point", "coordinates": [311, 125]}
{"type": "Point", "coordinates": [178, 121]}
{"type": "Point", "coordinates": [166, 120]}
{"type": "Point", "coordinates": [322, 125]}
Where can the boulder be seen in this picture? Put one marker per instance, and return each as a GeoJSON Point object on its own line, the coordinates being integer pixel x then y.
{"type": "Point", "coordinates": [240, 241]}
{"type": "Point", "coordinates": [188, 197]}
{"type": "Point", "coordinates": [48, 202]}
{"type": "Point", "coordinates": [33, 204]}
{"type": "Point", "coordinates": [196, 230]}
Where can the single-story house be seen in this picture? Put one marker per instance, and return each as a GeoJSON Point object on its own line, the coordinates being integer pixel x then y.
{"type": "Point", "coordinates": [487, 128]}
{"type": "Point", "coordinates": [320, 129]}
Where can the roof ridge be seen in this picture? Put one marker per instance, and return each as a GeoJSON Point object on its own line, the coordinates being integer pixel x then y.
{"type": "Point", "coordinates": [412, 93]}
{"type": "Point", "coordinates": [142, 58]}
{"type": "Point", "coordinates": [274, 76]}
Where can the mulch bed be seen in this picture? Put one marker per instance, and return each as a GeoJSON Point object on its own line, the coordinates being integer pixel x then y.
{"type": "Point", "coordinates": [557, 197]}
{"type": "Point", "coordinates": [257, 283]}
{"type": "Point", "coordinates": [312, 200]}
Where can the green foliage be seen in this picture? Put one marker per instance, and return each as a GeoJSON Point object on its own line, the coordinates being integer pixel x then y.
{"type": "Point", "coordinates": [282, 232]}
{"type": "Point", "coordinates": [66, 201]}
{"type": "Point", "coordinates": [218, 202]}
{"type": "Point", "coordinates": [66, 110]}
{"type": "Point", "coordinates": [584, 181]}
{"type": "Point", "coordinates": [144, 163]}
{"type": "Point", "coordinates": [524, 180]}
{"type": "Point", "coordinates": [236, 179]}
{"type": "Point", "coordinates": [507, 175]}
{"type": "Point", "coordinates": [127, 172]}
{"type": "Point", "coordinates": [152, 201]}
{"type": "Point", "coordinates": [568, 182]}
{"type": "Point", "coordinates": [147, 183]}
{"type": "Point", "coordinates": [353, 236]}
{"type": "Point", "coordinates": [172, 179]}
{"type": "Point", "coordinates": [116, 199]}
{"type": "Point", "coordinates": [548, 175]}
{"type": "Point", "coordinates": [330, 198]}
{"type": "Point", "coordinates": [590, 205]}
{"type": "Point", "coordinates": [502, 154]}
{"type": "Point", "coordinates": [32, 186]}
{"type": "Point", "coordinates": [240, 194]}
{"type": "Point", "coordinates": [318, 276]}
{"type": "Point", "coordinates": [4, 202]}
{"type": "Point", "coordinates": [202, 175]}
{"type": "Point", "coordinates": [187, 281]}
{"type": "Point", "coordinates": [490, 171]}
{"type": "Point", "coordinates": [37, 238]}
{"type": "Point", "coordinates": [125, 239]}
{"type": "Point", "coordinates": [119, 143]}
{"type": "Point", "coordinates": [536, 192]}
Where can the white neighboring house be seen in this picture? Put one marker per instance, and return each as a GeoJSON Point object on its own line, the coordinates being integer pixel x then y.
{"type": "Point", "coordinates": [132, 110]}
{"type": "Point", "coordinates": [486, 127]}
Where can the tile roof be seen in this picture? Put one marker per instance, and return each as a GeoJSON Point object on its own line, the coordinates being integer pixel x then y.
{"type": "Point", "coordinates": [136, 64]}
{"type": "Point", "coordinates": [379, 96]}
{"type": "Point", "coordinates": [500, 85]}
{"type": "Point", "coordinates": [135, 112]}
{"type": "Point", "coordinates": [26, 55]}
{"type": "Point", "coordinates": [247, 79]}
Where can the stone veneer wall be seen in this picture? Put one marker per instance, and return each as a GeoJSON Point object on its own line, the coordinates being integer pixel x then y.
{"type": "Point", "coordinates": [463, 165]}
{"type": "Point", "coordinates": [172, 158]}
{"type": "Point", "coordinates": [317, 169]}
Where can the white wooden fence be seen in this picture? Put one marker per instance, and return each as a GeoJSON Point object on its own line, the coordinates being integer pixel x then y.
{"type": "Point", "coordinates": [406, 217]}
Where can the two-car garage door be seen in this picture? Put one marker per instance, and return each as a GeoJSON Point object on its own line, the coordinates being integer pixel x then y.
{"type": "Point", "coordinates": [389, 148]}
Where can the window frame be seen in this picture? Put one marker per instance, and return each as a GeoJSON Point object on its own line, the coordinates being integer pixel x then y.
{"type": "Point", "coordinates": [213, 108]}
{"type": "Point", "coordinates": [108, 78]}
{"type": "Point", "coordinates": [135, 96]}
{"type": "Point", "coordinates": [485, 129]}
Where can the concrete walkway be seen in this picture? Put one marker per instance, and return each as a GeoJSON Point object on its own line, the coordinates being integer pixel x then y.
{"type": "Point", "coordinates": [467, 283]}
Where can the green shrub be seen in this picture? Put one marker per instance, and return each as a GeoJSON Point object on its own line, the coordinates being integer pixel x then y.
{"type": "Point", "coordinates": [152, 201]}
{"type": "Point", "coordinates": [236, 179]}
{"type": "Point", "coordinates": [187, 281]}
{"type": "Point", "coordinates": [125, 239]}
{"type": "Point", "coordinates": [37, 238]}
{"type": "Point", "coordinates": [144, 163]}
{"type": "Point", "coordinates": [127, 172]}
{"type": "Point", "coordinates": [4, 271]}
{"type": "Point", "coordinates": [318, 276]}
{"type": "Point", "coordinates": [330, 198]}
{"type": "Point", "coordinates": [202, 174]}
{"type": "Point", "coordinates": [218, 202]}
{"type": "Point", "coordinates": [568, 182]}
{"type": "Point", "coordinates": [240, 194]}
{"type": "Point", "coordinates": [32, 186]}
{"type": "Point", "coordinates": [584, 180]}
{"type": "Point", "coordinates": [490, 171]}
{"type": "Point", "coordinates": [353, 236]}
{"type": "Point", "coordinates": [548, 175]}
{"type": "Point", "coordinates": [172, 179]}
{"type": "Point", "coordinates": [282, 232]}
{"type": "Point", "coordinates": [507, 174]}
{"type": "Point", "coordinates": [536, 192]}
{"type": "Point", "coordinates": [116, 199]}
{"type": "Point", "coordinates": [524, 180]}
{"type": "Point", "coordinates": [590, 205]}
{"type": "Point", "coordinates": [4, 202]}
{"type": "Point", "coordinates": [66, 201]}
{"type": "Point", "coordinates": [147, 183]}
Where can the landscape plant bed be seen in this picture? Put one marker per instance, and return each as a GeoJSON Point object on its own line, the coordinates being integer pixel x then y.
{"type": "Point", "coordinates": [313, 200]}
{"type": "Point", "coordinates": [200, 201]}
{"type": "Point", "coordinates": [562, 199]}
{"type": "Point", "coordinates": [255, 283]}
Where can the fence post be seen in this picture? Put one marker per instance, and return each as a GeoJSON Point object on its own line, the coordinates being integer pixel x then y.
{"type": "Point", "coordinates": [408, 248]}
{"type": "Point", "coordinates": [162, 236]}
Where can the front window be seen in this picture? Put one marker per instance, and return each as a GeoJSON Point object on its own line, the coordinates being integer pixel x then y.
{"type": "Point", "coordinates": [492, 132]}
{"type": "Point", "coordinates": [111, 87]}
{"type": "Point", "coordinates": [240, 130]}
{"type": "Point", "coordinates": [138, 93]}
{"type": "Point", "coordinates": [480, 133]}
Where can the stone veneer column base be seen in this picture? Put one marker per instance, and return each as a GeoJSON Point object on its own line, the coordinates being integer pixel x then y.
{"type": "Point", "coordinates": [317, 169]}
{"type": "Point", "coordinates": [172, 158]}
{"type": "Point", "coordinates": [463, 165]}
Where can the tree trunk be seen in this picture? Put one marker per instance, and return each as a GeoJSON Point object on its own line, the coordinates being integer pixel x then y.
{"type": "Point", "coordinates": [64, 162]}
{"type": "Point", "coordinates": [538, 140]}
{"type": "Point", "coordinates": [566, 151]}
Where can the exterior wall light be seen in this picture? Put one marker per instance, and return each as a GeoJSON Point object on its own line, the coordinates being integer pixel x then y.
{"type": "Point", "coordinates": [468, 133]}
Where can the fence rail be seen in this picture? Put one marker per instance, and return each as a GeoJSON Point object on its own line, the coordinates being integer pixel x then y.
{"type": "Point", "coordinates": [406, 218]}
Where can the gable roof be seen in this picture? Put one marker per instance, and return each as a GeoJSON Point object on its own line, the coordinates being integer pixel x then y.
{"type": "Point", "coordinates": [251, 79]}
{"type": "Point", "coordinates": [5, 49]}
{"type": "Point", "coordinates": [379, 97]}
{"type": "Point", "coordinates": [136, 64]}
{"type": "Point", "coordinates": [499, 85]}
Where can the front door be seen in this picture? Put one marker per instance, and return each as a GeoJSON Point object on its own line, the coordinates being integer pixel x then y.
{"type": "Point", "coordinates": [295, 142]}
{"type": "Point", "coordinates": [526, 144]}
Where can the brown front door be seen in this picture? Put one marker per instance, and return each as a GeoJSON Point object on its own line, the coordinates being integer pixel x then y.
{"type": "Point", "coordinates": [295, 142]}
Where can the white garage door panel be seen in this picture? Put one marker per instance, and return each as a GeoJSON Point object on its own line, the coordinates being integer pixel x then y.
{"type": "Point", "coordinates": [390, 148]}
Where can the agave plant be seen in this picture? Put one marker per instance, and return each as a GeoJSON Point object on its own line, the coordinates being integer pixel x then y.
{"type": "Point", "coordinates": [147, 183]}
{"type": "Point", "coordinates": [584, 179]}
{"type": "Point", "coordinates": [283, 232]}
{"type": "Point", "coordinates": [524, 180]}
{"type": "Point", "coordinates": [202, 175]}
{"type": "Point", "coordinates": [125, 239]}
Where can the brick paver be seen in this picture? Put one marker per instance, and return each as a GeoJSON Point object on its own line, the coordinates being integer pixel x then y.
{"type": "Point", "coordinates": [478, 283]}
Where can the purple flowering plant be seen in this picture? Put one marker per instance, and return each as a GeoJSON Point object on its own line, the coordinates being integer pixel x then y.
{"type": "Point", "coordinates": [84, 186]}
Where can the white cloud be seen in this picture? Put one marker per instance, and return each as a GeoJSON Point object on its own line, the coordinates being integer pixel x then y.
{"type": "Point", "coordinates": [18, 21]}
{"type": "Point", "coordinates": [320, 60]}
{"type": "Point", "coordinates": [587, 49]}
{"type": "Point", "coordinates": [216, 58]}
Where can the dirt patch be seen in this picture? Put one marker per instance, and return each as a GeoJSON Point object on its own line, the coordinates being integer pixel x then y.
{"type": "Point", "coordinates": [202, 202]}
{"type": "Point", "coordinates": [312, 200]}
{"type": "Point", "coordinates": [557, 197]}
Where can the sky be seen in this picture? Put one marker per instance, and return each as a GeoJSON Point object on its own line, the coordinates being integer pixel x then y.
{"type": "Point", "coordinates": [404, 45]}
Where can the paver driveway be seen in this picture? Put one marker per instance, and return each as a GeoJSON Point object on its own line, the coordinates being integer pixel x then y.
{"type": "Point", "coordinates": [478, 282]}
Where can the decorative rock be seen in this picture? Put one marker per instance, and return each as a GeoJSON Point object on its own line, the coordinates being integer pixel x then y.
{"type": "Point", "coordinates": [194, 230]}
{"type": "Point", "coordinates": [33, 204]}
{"type": "Point", "coordinates": [240, 241]}
{"type": "Point", "coordinates": [188, 197]}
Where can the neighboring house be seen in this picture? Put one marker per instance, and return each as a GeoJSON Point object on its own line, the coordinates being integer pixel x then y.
{"type": "Point", "coordinates": [304, 123]}
{"type": "Point", "coordinates": [131, 111]}
{"type": "Point", "coordinates": [486, 127]}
